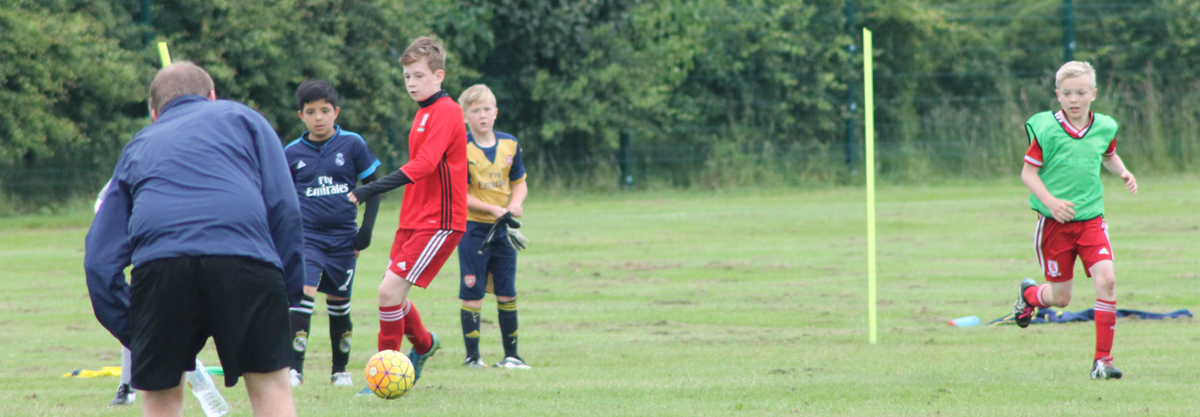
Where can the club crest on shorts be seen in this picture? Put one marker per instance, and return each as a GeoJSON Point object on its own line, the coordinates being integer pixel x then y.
{"type": "Point", "coordinates": [301, 341]}
{"type": "Point", "coordinates": [469, 280]}
{"type": "Point", "coordinates": [341, 160]}
{"type": "Point", "coordinates": [1052, 268]}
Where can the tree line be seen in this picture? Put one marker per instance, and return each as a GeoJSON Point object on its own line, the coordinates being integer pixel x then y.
{"type": "Point", "coordinates": [713, 93]}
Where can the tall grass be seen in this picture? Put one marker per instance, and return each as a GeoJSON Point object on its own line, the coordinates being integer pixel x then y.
{"type": "Point", "coordinates": [942, 138]}
{"type": "Point", "coordinates": [1158, 132]}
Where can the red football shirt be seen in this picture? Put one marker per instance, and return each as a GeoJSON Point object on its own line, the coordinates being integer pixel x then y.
{"type": "Point", "coordinates": [437, 165]}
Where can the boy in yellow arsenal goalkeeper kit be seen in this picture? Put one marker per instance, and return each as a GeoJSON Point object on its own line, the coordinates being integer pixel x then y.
{"type": "Point", "coordinates": [497, 187]}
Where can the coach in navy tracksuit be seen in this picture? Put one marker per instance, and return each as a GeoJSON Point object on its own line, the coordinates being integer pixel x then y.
{"type": "Point", "coordinates": [201, 203]}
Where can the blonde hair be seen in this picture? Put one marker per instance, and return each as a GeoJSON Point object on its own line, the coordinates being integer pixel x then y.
{"type": "Point", "coordinates": [1075, 69]}
{"type": "Point", "coordinates": [478, 93]}
{"type": "Point", "coordinates": [426, 48]}
{"type": "Point", "coordinates": [178, 80]}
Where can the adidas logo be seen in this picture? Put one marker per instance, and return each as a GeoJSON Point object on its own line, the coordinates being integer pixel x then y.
{"type": "Point", "coordinates": [300, 165]}
{"type": "Point", "coordinates": [1104, 251]}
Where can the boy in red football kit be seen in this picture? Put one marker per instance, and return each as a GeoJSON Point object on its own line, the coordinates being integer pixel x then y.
{"type": "Point", "coordinates": [1062, 171]}
{"type": "Point", "coordinates": [433, 215]}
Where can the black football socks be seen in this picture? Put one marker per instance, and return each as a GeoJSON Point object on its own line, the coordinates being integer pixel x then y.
{"type": "Point", "coordinates": [301, 320]}
{"type": "Point", "coordinates": [470, 328]}
{"type": "Point", "coordinates": [340, 330]}
{"type": "Point", "coordinates": [508, 327]}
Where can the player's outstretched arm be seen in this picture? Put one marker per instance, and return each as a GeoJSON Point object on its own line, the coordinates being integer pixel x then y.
{"type": "Point", "coordinates": [1061, 210]}
{"type": "Point", "coordinates": [1114, 165]}
{"type": "Point", "coordinates": [363, 239]}
{"type": "Point", "coordinates": [367, 191]}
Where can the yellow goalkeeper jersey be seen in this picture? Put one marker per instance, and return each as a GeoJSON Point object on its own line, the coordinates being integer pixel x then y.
{"type": "Point", "coordinates": [492, 171]}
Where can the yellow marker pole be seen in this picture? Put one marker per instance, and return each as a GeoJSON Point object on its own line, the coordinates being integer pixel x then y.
{"type": "Point", "coordinates": [163, 54]}
{"type": "Point", "coordinates": [165, 57]}
{"type": "Point", "coordinates": [868, 96]}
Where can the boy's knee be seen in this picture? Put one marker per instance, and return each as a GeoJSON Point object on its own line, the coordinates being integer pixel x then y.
{"type": "Point", "coordinates": [1060, 299]}
{"type": "Point", "coordinates": [260, 384]}
{"type": "Point", "coordinates": [393, 290]}
{"type": "Point", "coordinates": [1102, 270]}
{"type": "Point", "coordinates": [270, 393]}
{"type": "Point", "coordinates": [310, 291]}
{"type": "Point", "coordinates": [390, 295]}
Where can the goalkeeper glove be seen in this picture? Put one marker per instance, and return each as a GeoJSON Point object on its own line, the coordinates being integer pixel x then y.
{"type": "Point", "coordinates": [516, 239]}
{"type": "Point", "coordinates": [491, 235]}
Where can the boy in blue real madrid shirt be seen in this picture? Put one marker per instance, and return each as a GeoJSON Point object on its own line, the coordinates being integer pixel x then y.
{"type": "Point", "coordinates": [497, 186]}
{"type": "Point", "coordinates": [326, 162]}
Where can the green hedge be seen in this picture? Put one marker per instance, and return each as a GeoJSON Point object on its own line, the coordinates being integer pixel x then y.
{"type": "Point", "coordinates": [714, 93]}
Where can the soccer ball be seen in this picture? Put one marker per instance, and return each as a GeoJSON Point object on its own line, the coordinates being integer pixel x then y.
{"type": "Point", "coordinates": [390, 374]}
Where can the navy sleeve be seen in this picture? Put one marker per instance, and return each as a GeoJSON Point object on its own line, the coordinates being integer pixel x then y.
{"type": "Point", "coordinates": [517, 170]}
{"type": "Point", "coordinates": [107, 254]}
{"type": "Point", "coordinates": [364, 160]}
{"type": "Point", "coordinates": [283, 207]}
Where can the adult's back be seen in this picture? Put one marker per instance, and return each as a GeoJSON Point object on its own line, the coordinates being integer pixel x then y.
{"type": "Point", "coordinates": [206, 178]}
{"type": "Point", "coordinates": [196, 177]}
{"type": "Point", "coordinates": [201, 203]}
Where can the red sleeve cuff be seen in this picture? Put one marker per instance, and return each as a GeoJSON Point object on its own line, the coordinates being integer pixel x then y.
{"type": "Point", "coordinates": [1034, 155]}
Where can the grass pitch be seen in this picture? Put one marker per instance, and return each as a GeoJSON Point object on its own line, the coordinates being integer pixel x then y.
{"type": "Point", "coordinates": [701, 303]}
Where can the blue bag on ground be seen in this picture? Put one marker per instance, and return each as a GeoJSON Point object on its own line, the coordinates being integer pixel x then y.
{"type": "Point", "coordinates": [1048, 315]}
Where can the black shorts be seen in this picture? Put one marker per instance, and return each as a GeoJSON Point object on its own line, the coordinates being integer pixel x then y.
{"type": "Point", "coordinates": [177, 303]}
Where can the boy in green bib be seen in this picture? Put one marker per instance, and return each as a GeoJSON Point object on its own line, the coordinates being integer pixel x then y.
{"type": "Point", "coordinates": [1062, 171]}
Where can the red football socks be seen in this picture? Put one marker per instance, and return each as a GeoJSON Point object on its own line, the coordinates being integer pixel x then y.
{"type": "Point", "coordinates": [1033, 295]}
{"type": "Point", "coordinates": [1106, 326]}
{"type": "Point", "coordinates": [415, 330]}
{"type": "Point", "coordinates": [391, 327]}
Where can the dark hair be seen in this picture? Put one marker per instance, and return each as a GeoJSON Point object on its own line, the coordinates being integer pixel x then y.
{"type": "Point", "coordinates": [315, 90]}
{"type": "Point", "coordinates": [178, 80]}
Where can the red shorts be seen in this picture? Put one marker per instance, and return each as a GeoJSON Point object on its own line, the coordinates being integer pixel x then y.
{"type": "Point", "coordinates": [418, 255]}
{"type": "Point", "coordinates": [1057, 245]}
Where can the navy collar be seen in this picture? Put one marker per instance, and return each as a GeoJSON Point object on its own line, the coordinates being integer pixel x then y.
{"type": "Point", "coordinates": [337, 131]}
{"type": "Point", "coordinates": [471, 138]}
{"type": "Point", "coordinates": [433, 99]}
{"type": "Point", "coordinates": [179, 101]}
